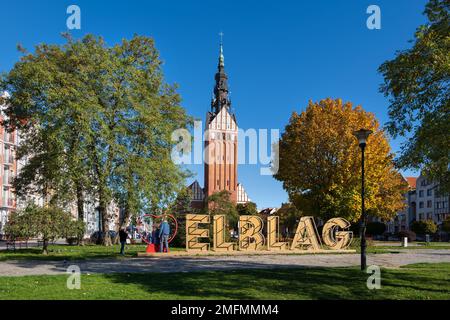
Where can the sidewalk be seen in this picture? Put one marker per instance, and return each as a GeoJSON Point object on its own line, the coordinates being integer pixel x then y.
{"type": "Point", "coordinates": [207, 263]}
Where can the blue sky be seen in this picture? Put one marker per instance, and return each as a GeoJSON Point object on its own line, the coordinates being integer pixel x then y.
{"type": "Point", "coordinates": [278, 54]}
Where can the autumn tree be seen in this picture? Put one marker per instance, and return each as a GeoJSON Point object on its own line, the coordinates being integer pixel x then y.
{"type": "Point", "coordinates": [417, 82]}
{"type": "Point", "coordinates": [319, 163]}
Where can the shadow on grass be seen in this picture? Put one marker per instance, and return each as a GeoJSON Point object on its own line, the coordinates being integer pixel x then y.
{"type": "Point", "coordinates": [304, 283]}
{"type": "Point", "coordinates": [67, 252]}
{"type": "Point", "coordinates": [299, 283]}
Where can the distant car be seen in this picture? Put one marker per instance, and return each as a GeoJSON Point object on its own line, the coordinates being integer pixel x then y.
{"type": "Point", "coordinates": [96, 237]}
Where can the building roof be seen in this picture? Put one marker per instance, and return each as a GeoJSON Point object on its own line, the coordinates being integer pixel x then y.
{"type": "Point", "coordinates": [197, 191]}
{"type": "Point", "coordinates": [411, 182]}
{"type": "Point", "coordinates": [268, 211]}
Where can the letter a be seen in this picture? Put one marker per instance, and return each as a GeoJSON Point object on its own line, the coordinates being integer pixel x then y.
{"type": "Point", "coordinates": [374, 280]}
{"type": "Point", "coordinates": [306, 235]}
{"type": "Point", "coordinates": [73, 21]}
{"type": "Point", "coordinates": [374, 21]}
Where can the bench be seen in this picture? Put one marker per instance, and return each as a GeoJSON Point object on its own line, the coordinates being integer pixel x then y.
{"type": "Point", "coordinates": [16, 242]}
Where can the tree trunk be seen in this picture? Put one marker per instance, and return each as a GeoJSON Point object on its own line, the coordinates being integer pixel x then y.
{"type": "Point", "coordinates": [80, 207]}
{"type": "Point", "coordinates": [45, 246]}
{"type": "Point", "coordinates": [102, 208]}
{"type": "Point", "coordinates": [80, 201]}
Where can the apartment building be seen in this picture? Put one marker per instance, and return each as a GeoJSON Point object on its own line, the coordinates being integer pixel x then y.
{"type": "Point", "coordinates": [404, 218]}
{"type": "Point", "coordinates": [8, 170]}
{"type": "Point", "coordinates": [424, 202]}
{"type": "Point", "coordinates": [430, 202]}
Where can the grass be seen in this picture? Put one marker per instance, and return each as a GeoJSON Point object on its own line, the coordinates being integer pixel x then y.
{"type": "Point", "coordinates": [66, 252]}
{"type": "Point", "coordinates": [399, 249]}
{"type": "Point", "coordinates": [419, 281]}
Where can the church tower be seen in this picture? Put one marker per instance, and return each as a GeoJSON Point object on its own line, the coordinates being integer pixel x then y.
{"type": "Point", "coordinates": [221, 146]}
{"type": "Point", "coordinates": [221, 139]}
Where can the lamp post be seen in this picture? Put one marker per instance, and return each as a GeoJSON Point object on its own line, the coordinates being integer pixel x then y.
{"type": "Point", "coordinates": [362, 136]}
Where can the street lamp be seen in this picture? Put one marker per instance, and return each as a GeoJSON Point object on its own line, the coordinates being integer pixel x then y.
{"type": "Point", "coordinates": [362, 135]}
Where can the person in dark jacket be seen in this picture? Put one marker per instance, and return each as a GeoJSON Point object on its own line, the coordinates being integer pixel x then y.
{"type": "Point", "coordinates": [155, 235]}
{"type": "Point", "coordinates": [123, 235]}
{"type": "Point", "coordinates": [164, 231]}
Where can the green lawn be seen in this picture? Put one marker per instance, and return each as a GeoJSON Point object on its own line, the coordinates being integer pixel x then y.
{"type": "Point", "coordinates": [398, 249]}
{"type": "Point", "coordinates": [420, 281]}
{"type": "Point", "coordinates": [61, 252]}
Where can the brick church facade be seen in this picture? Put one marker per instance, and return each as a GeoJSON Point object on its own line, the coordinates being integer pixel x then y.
{"type": "Point", "coordinates": [221, 146]}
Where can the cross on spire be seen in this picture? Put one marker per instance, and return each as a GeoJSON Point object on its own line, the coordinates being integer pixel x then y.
{"type": "Point", "coordinates": [221, 58]}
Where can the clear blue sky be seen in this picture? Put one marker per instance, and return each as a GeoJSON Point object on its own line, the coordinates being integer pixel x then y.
{"type": "Point", "coordinates": [278, 54]}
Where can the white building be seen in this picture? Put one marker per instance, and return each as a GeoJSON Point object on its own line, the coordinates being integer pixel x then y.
{"type": "Point", "coordinates": [424, 202]}
{"type": "Point", "coordinates": [430, 203]}
{"type": "Point", "coordinates": [8, 170]}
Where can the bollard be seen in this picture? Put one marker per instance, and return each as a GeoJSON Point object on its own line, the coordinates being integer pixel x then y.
{"type": "Point", "coordinates": [405, 242]}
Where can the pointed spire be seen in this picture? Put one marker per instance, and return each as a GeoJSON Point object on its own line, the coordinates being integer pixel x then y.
{"type": "Point", "coordinates": [221, 57]}
{"type": "Point", "coordinates": [221, 99]}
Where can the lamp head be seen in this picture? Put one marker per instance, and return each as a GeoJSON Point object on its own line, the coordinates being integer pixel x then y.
{"type": "Point", "coordinates": [362, 135]}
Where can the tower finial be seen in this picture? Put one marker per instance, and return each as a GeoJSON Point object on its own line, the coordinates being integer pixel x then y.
{"type": "Point", "coordinates": [221, 57]}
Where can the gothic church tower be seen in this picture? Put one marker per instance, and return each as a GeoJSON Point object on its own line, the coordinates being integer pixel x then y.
{"type": "Point", "coordinates": [221, 146]}
{"type": "Point", "coordinates": [221, 139]}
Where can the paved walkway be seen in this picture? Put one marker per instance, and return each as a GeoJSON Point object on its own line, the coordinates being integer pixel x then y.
{"type": "Point", "coordinates": [189, 264]}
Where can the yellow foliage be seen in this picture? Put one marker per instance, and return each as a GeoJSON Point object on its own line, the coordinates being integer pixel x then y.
{"type": "Point", "coordinates": [320, 163]}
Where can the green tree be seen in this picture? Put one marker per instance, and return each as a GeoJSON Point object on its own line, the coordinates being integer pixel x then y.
{"type": "Point", "coordinates": [320, 163]}
{"type": "Point", "coordinates": [289, 217]}
{"type": "Point", "coordinates": [47, 223]}
{"type": "Point", "coordinates": [219, 203]}
{"type": "Point", "coordinates": [424, 227]}
{"type": "Point", "coordinates": [248, 208]}
{"type": "Point", "coordinates": [97, 120]}
{"type": "Point", "coordinates": [179, 208]}
{"type": "Point", "coordinates": [417, 81]}
{"type": "Point", "coordinates": [446, 224]}
{"type": "Point", "coordinates": [375, 228]}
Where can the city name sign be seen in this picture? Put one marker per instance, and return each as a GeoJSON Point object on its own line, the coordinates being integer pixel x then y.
{"type": "Point", "coordinates": [335, 234]}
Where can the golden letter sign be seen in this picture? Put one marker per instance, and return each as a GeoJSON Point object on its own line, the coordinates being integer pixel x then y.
{"type": "Point", "coordinates": [250, 236]}
{"type": "Point", "coordinates": [219, 235]}
{"type": "Point", "coordinates": [306, 237]}
{"type": "Point", "coordinates": [193, 232]}
{"type": "Point", "coordinates": [334, 238]}
{"type": "Point", "coordinates": [272, 235]}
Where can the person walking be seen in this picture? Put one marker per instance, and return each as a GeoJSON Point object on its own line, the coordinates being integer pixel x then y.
{"type": "Point", "coordinates": [164, 231]}
{"type": "Point", "coordinates": [123, 235]}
